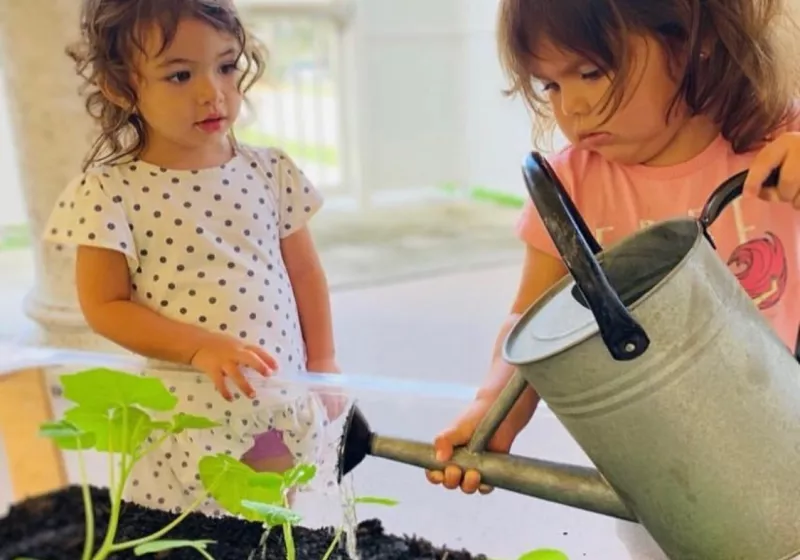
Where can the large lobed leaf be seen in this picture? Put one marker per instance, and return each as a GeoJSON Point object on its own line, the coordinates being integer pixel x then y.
{"type": "Point", "coordinates": [104, 389]}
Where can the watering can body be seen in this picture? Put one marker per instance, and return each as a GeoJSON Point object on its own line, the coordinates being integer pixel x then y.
{"type": "Point", "coordinates": [666, 374]}
{"type": "Point", "coordinates": [700, 435]}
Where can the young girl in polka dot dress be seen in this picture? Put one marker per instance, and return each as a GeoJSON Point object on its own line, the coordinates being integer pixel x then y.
{"type": "Point", "coordinates": [192, 249]}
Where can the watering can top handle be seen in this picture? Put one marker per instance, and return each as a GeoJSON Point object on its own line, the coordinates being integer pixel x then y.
{"type": "Point", "coordinates": [622, 335]}
{"type": "Point", "coordinates": [729, 191]}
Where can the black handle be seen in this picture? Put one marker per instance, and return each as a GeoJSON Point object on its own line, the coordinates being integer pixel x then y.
{"type": "Point", "coordinates": [622, 335]}
{"type": "Point", "coordinates": [729, 191]}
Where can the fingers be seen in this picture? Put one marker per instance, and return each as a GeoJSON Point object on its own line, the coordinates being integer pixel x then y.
{"type": "Point", "coordinates": [222, 388]}
{"type": "Point", "coordinates": [452, 477]}
{"type": "Point", "coordinates": [248, 356]}
{"type": "Point", "coordinates": [231, 370]}
{"type": "Point", "coordinates": [434, 477]}
{"type": "Point", "coordinates": [789, 185]}
{"type": "Point", "coordinates": [783, 153]}
{"type": "Point", "coordinates": [266, 357]}
{"type": "Point", "coordinates": [443, 446]}
{"type": "Point", "coordinates": [770, 157]}
{"type": "Point", "coordinates": [451, 438]}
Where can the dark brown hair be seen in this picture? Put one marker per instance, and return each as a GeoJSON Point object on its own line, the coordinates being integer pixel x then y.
{"type": "Point", "coordinates": [111, 34]}
{"type": "Point", "coordinates": [743, 82]}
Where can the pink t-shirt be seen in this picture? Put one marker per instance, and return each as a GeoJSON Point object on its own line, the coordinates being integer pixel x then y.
{"type": "Point", "coordinates": [759, 240]}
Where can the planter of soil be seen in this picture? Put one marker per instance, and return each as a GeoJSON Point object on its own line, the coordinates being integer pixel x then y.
{"type": "Point", "coordinates": [51, 527]}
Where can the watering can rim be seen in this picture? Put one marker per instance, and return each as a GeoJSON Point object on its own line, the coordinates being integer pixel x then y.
{"type": "Point", "coordinates": [567, 282]}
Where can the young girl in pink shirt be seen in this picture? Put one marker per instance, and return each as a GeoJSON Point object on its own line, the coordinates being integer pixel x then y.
{"type": "Point", "coordinates": [661, 102]}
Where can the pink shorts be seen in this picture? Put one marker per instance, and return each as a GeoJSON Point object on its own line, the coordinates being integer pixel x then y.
{"type": "Point", "coordinates": [267, 445]}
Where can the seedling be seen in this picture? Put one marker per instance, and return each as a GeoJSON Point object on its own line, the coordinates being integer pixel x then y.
{"type": "Point", "coordinates": [111, 416]}
{"type": "Point", "coordinates": [264, 496]}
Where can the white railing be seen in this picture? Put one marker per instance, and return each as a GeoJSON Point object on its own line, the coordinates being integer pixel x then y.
{"type": "Point", "coordinates": [298, 105]}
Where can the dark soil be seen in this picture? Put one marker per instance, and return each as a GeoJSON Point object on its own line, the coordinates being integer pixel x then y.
{"type": "Point", "coordinates": [51, 527]}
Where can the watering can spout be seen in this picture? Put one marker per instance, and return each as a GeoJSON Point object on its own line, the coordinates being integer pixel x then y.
{"type": "Point", "coordinates": [568, 485]}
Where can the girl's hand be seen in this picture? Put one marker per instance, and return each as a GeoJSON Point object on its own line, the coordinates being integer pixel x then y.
{"type": "Point", "coordinates": [221, 356]}
{"type": "Point", "coordinates": [784, 152]}
{"type": "Point", "coordinates": [460, 433]}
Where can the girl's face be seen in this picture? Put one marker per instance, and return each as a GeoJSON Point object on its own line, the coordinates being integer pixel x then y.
{"type": "Point", "coordinates": [188, 95]}
{"type": "Point", "coordinates": [642, 130]}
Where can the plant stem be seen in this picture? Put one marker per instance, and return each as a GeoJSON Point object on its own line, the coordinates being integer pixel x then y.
{"type": "Point", "coordinates": [289, 540]}
{"type": "Point", "coordinates": [334, 542]}
{"type": "Point", "coordinates": [161, 532]}
{"type": "Point", "coordinates": [116, 488]}
{"type": "Point", "coordinates": [155, 445]}
{"type": "Point", "coordinates": [204, 554]}
{"type": "Point", "coordinates": [288, 537]}
{"type": "Point", "coordinates": [88, 509]}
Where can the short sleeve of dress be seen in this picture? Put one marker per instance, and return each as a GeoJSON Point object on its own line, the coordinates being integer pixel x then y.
{"type": "Point", "coordinates": [87, 214]}
{"type": "Point", "coordinates": [298, 199]}
{"type": "Point", "coordinates": [530, 226]}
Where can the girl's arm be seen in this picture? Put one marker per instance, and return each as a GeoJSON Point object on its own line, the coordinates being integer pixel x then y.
{"type": "Point", "coordinates": [539, 272]}
{"type": "Point", "coordinates": [313, 300]}
{"type": "Point", "coordinates": [104, 294]}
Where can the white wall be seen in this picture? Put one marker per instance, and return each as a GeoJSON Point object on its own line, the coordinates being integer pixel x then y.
{"type": "Point", "coordinates": [12, 210]}
{"type": "Point", "coordinates": [429, 105]}
{"type": "Point", "coordinates": [409, 66]}
{"type": "Point", "coordinates": [497, 131]}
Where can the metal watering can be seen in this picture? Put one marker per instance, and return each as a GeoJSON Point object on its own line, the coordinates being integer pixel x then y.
{"type": "Point", "coordinates": [663, 370]}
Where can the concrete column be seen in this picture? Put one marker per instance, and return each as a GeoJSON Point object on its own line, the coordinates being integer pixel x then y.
{"type": "Point", "coordinates": [51, 132]}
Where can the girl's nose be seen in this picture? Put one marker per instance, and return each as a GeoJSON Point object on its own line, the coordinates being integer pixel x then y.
{"type": "Point", "coordinates": [574, 102]}
{"type": "Point", "coordinates": [208, 91]}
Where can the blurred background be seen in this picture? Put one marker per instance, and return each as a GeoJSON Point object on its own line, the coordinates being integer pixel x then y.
{"type": "Point", "coordinates": [395, 110]}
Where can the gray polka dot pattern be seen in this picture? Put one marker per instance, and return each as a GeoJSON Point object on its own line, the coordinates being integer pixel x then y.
{"type": "Point", "coordinates": [203, 247]}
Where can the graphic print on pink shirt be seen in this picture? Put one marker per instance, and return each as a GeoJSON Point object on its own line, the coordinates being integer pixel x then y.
{"type": "Point", "coordinates": [761, 267]}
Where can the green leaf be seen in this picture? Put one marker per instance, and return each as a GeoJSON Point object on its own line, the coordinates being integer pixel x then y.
{"type": "Point", "coordinates": [544, 554]}
{"type": "Point", "coordinates": [299, 474]}
{"type": "Point", "coordinates": [103, 388]}
{"type": "Point", "coordinates": [181, 422]}
{"type": "Point", "coordinates": [229, 481]}
{"type": "Point", "coordinates": [271, 514]}
{"type": "Point", "coordinates": [112, 432]}
{"type": "Point", "coordinates": [376, 501]}
{"type": "Point", "coordinates": [160, 546]}
{"type": "Point", "coordinates": [67, 436]}
{"type": "Point", "coordinates": [268, 480]}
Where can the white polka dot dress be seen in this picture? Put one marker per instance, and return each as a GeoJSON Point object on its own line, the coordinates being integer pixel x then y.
{"type": "Point", "coordinates": [203, 247]}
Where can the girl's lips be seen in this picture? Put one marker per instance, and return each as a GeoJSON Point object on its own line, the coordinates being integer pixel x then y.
{"type": "Point", "coordinates": [594, 139]}
{"type": "Point", "coordinates": [211, 125]}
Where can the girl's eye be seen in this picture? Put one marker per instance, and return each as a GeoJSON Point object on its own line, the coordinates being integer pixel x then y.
{"type": "Point", "coordinates": [179, 77]}
{"type": "Point", "coordinates": [594, 74]}
{"type": "Point", "coordinates": [548, 87]}
{"type": "Point", "coordinates": [229, 68]}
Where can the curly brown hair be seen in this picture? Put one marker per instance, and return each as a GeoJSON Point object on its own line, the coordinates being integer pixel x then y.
{"type": "Point", "coordinates": [111, 35]}
{"type": "Point", "coordinates": [743, 81]}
